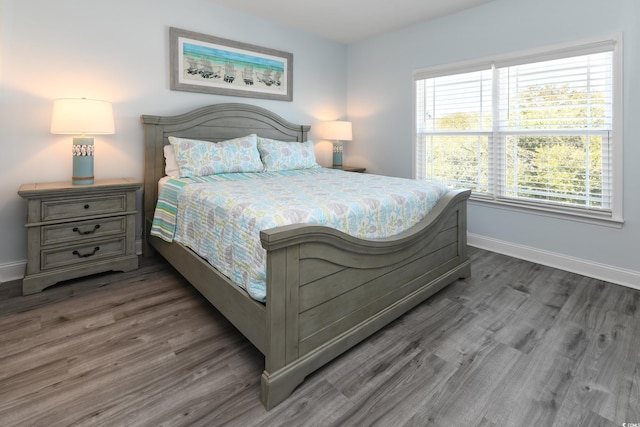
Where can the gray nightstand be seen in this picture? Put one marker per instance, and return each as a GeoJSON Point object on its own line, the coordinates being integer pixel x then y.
{"type": "Point", "coordinates": [354, 169]}
{"type": "Point", "coordinates": [77, 230]}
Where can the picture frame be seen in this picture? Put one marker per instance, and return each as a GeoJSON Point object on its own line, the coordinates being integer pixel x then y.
{"type": "Point", "coordinates": [210, 64]}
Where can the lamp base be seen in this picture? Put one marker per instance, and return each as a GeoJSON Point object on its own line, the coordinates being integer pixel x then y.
{"type": "Point", "coordinates": [337, 155]}
{"type": "Point", "coordinates": [82, 161]}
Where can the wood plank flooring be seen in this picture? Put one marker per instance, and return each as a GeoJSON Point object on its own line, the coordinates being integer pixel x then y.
{"type": "Point", "coordinates": [517, 344]}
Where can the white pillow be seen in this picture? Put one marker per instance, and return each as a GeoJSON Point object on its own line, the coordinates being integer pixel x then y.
{"type": "Point", "coordinates": [201, 158]}
{"type": "Point", "coordinates": [170, 163]}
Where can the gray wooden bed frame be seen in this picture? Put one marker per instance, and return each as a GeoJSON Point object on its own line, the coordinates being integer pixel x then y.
{"type": "Point", "coordinates": [326, 291]}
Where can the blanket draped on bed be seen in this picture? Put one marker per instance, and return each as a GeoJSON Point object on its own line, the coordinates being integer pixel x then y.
{"type": "Point", "coordinates": [220, 216]}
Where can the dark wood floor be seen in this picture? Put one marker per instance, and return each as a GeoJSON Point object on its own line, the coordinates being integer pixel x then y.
{"type": "Point", "coordinates": [517, 344]}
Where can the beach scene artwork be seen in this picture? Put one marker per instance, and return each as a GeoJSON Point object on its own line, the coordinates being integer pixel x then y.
{"type": "Point", "coordinates": [214, 65]}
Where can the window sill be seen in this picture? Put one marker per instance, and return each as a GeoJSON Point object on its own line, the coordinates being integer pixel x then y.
{"type": "Point", "coordinates": [549, 211]}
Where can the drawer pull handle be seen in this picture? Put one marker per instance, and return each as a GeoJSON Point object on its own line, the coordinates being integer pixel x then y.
{"type": "Point", "coordinates": [87, 206]}
{"type": "Point", "coordinates": [84, 233]}
{"type": "Point", "coordinates": [96, 249]}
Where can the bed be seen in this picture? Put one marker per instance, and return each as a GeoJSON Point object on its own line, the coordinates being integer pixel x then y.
{"type": "Point", "coordinates": [326, 291]}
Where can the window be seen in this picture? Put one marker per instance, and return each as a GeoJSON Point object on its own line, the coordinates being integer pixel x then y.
{"type": "Point", "coordinates": [540, 130]}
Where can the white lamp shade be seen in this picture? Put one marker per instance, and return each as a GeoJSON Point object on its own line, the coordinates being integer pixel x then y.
{"type": "Point", "coordinates": [336, 130]}
{"type": "Point", "coordinates": [82, 116]}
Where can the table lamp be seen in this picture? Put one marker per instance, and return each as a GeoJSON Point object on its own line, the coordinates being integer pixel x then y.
{"type": "Point", "coordinates": [73, 116]}
{"type": "Point", "coordinates": [338, 131]}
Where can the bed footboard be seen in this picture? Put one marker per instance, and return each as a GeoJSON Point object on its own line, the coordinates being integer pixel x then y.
{"type": "Point", "coordinates": [327, 291]}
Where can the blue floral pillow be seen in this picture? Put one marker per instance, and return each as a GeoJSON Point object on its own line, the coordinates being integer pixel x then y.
{"type": "Point", "coordinates": [201, 158]}
{"type": "Point", "coordinates": [281, 155]}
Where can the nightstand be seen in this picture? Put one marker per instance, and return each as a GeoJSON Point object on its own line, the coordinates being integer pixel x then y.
{"type": "Point", "coordinates": [353, 169]}
{"type": "Point", "coordinates": [77, 230]}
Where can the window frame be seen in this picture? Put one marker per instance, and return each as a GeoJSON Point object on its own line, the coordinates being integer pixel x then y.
{"type": "Point", "coordinates": [582, 47]}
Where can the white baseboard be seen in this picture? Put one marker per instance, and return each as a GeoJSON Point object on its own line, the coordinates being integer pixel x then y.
{"type": "Point", "coordinates": [598, 271]}
{"type": "Point", "coordinates": [138, 247]}
{"type": "Point", "coordinates": [12, 271]}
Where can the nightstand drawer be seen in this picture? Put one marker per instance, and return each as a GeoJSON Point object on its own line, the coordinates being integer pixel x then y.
{"type": "Point", "coordinates": [75, 254]}
{"type": "Point", "coordinates": [83, 230]}
{"type": "Point", "coordinates": [74, 208]}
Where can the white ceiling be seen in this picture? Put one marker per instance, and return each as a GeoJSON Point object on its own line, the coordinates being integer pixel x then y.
{"type": "Point", "coordinates": [348, 21]}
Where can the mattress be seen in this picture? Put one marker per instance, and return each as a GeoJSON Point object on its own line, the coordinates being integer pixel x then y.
{"type": "Point", "coordinates": [220, 216]}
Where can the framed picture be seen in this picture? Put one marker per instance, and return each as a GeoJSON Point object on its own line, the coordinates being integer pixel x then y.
{"type": "Point", "coordinates": [209, 64]}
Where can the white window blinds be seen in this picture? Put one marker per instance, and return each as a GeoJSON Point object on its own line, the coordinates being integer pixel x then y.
{"type": "Point", "coordinates": [454, 129]}
{"type": "Point", "coordinates": [536, 129]}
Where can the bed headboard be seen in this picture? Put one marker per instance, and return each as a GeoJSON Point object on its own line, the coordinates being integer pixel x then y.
{"type": "Point", "coordinates": [218, 122]}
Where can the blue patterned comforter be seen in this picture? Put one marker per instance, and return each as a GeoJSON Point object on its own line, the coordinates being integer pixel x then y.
{"type": "Point", "coordinates": [220, 216]}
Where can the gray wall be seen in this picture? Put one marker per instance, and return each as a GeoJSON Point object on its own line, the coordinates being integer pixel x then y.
{"type": "Point", "coordinates": [118, 51]}
{"type": "Point", "coordinates": [380, 106]}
